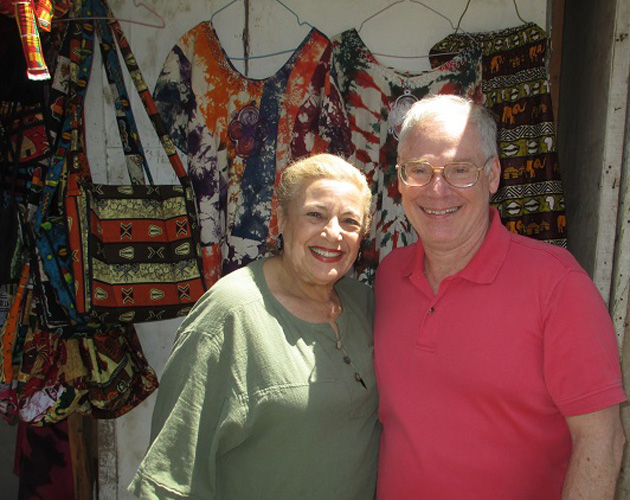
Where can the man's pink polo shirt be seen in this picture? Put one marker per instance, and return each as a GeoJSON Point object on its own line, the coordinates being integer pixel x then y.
{"type": "Point", "coordinates": [476, 381]}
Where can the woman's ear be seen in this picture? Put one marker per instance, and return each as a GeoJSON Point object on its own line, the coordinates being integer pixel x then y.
{"type": "Point", "coordinates": [281, 218]}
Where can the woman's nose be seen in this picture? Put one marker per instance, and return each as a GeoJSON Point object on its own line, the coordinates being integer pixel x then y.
{"type": "Point", "coordinates": [332, 229]}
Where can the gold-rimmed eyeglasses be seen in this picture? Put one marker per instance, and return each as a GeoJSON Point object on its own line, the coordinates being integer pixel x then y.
{"type": "Point", "coordinates": [459, 174]}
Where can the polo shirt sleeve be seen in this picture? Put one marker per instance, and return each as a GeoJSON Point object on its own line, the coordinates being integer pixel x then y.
{"type": "Point", "coordinates": [581, 357]}
{"type": "Point", "coordinates": [193, 419]}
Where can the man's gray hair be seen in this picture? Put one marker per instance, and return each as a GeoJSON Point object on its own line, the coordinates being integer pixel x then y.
{"type": "Point", "coordinates": [444, 106]}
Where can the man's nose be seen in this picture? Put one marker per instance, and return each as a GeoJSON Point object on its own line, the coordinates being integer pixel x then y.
{"type": "Point", "coordinates": [438, 183]}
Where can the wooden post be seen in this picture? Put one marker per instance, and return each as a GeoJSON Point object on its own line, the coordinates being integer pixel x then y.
{"type": "Point", "coordinates": [82, 434]}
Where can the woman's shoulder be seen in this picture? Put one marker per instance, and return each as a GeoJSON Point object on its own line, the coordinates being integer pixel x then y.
{"type": "Point", "coordinates": [241, 286]}
{"type": "Point", "coordinates": [231, 294]}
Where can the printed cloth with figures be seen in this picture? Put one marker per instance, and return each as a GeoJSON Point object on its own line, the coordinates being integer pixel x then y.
{"type": "Point", "coordinates": [515, 88]}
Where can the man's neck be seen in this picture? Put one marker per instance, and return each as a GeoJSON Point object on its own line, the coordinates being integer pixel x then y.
{"type": "Point", "coordinates": [440, 263]}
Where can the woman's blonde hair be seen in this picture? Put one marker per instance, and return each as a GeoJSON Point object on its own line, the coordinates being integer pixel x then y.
{"type": "Point", "coordinates": [322, 166]}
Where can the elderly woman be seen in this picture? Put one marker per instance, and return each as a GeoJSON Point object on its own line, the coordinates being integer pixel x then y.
{"type": "Point", "coordinates": [270, 391]}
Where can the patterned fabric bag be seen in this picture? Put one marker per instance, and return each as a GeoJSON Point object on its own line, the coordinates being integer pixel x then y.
{"type": "Point", "coordinates": [119, 376]}
{"type": "Point", "coordinates": [103, 375]}
{"type": "Point", "coordinates": [135, 248]}
{"type": "Point", "coordinates": [51, 382]}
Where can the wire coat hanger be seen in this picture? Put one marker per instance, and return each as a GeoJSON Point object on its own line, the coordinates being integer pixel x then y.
{"type": "Point", "coordinates": [222, 9]}
{"type": "Point", "coordinates": [459, 22]}
{"type": "Point", "coordinates": [411, 1]}
{"type": "Point", "coordinates": [297, 17]}
{"type": "Point", "coordinates": [272, 54]}
{"type": "Point", "coordinates": [299, 21]}
{"type": "Point", "coordinates": [402, 1]}
{"type": "Point", "coordinates": [136, 3]}
{"type": "Point", "coordinates": [518, 13]}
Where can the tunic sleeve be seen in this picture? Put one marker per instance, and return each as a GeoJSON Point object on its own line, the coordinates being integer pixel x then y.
{"type": "Point", "coordinates": [194, 421]}
{"type": "Point", "coordinates": [174, 96]}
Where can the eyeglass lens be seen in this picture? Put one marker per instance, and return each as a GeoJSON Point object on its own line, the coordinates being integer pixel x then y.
{"type": "Point", "coordinates": [459, 174]}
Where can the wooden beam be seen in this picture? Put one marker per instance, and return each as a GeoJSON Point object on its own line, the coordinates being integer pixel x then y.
{"type": "Point", "coordinates": [555, 10]}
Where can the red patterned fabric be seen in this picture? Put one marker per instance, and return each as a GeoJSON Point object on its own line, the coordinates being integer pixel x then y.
{"type": "Point", "coordinates": [36, 68]}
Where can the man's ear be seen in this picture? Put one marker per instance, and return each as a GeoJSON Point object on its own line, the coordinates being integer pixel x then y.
{"type": "Point", "coordinates": [494, 176]}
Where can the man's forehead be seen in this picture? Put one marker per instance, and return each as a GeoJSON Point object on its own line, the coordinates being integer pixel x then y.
{"type": "Point", "coordinates": [445, 128]}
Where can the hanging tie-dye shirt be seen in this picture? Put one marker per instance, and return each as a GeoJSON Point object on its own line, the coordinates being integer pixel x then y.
{"type": "Point", "coordinates": [376, 99]}
{"type": "Point", "coordinates": [239, 134]}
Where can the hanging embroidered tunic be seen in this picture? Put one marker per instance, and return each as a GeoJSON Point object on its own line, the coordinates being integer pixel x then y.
{"type": "Point", "coordinates": [239, 134]}
{"type": "Point", "coordinates": [515, 88]}
{"type": "Point", "coordinates": [376, 99]}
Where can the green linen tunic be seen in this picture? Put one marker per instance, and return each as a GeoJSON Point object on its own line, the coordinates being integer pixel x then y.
{"type": "Point", "coordinates": [256, 403]}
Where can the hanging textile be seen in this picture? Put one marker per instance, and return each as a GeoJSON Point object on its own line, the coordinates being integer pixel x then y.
{"type": "Point", "coordinates": [51, 366]}
{"type": "Point", "coordinates": [376, 99]}
{"type": "Point", "coordinates": [239, 133]}
{"type": "Point", "coordinates": [515, 88]}
{"type": "Point", "coordinates": [43, 462]}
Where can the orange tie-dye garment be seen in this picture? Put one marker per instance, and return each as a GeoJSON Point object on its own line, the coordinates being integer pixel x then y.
{"type": "Point", "coordinates": [239, 134]}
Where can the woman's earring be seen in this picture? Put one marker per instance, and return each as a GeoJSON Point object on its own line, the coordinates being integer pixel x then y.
{"type": "Point", "coordinates": [279, 243]}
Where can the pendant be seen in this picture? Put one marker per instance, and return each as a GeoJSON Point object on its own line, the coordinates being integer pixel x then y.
{"type": "Point", "coordinates": [398, 111]}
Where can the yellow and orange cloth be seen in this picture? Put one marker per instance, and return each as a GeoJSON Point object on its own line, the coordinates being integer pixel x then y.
{"type": "Point", "coordinates": [31, 17]}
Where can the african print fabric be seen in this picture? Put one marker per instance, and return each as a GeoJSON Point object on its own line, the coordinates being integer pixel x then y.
{"type": "Point", "coordinates": [376, 99]}
{"type": "Point", "coordinates": [36, 68]}
{"type": "Point", "coordinates": [135, 248]}
{"type": "Point", "coordinates": [239, 134]}
{"type": "Point", "coordinates": [515, 88]}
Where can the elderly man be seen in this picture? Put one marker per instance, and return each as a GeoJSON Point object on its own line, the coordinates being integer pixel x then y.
{"type": "Point", "coordinates": [496, 359]}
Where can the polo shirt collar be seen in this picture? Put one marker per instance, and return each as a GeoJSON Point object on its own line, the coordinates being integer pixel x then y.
{"type": "Point", "coordinates": [484, 265]}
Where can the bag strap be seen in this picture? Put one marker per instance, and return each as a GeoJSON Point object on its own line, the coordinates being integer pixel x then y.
{"type": "Point", "coordinates": [81, 51]}
{"type": "Point", "coordinates": [127, 128]}
{"type": "Point", "coordinates": [145, 95]}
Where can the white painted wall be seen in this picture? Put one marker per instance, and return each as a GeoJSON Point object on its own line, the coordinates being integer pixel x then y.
{"type": "Point", "coordinates": [407, 29]}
